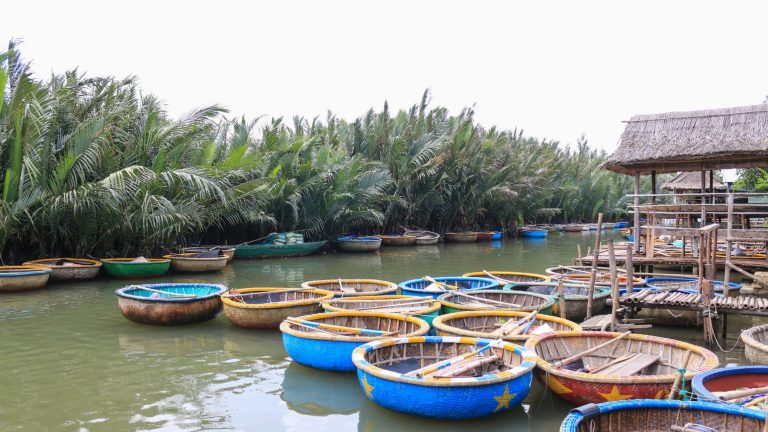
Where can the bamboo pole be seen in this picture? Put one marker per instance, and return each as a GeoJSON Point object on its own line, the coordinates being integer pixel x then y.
{"type": "Point", "coordinates": [561, 298]}
{"type": "Point", "coordinates": [679, 378]}
{"type": "Point", "coordinates": [614, 284]}
{"type": "Point", "coordinates": [593, 272]}
{"type": "Point", "coordinates": [636, 246]}
{"type": "Point", "coordinates": [630, 269]}
{"type": "Point", "coordinates": [738, 394]}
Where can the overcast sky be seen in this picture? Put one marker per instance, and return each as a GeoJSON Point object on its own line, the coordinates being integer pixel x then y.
{"type": "Point", "coordinates": [553, 68]}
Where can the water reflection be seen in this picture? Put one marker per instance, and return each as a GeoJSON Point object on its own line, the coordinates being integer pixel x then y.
{"type": "Point", "coordinates": [319, 393]}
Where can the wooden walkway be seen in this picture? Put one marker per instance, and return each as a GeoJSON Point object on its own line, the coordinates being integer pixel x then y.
{"type": "Point", "coordinates": [742, 305]}
{"type": "Point", "coordinates": [602, 260]}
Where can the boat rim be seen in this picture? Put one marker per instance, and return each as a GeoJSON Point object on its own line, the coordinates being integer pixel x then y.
{"type": "Point", "coordinates": [699, 385]}
{"type": "Point", "coordinates": [323, 295]}
{"type": "Point", "coordinates": [526, 366]}
{"type": "Point", "coordinates": [270, 245]}
{"type": "Point", "coordinates": [434, 306]}
{"type": "Point", "coordinates": [402, 285]}
{"type": "Point", "coordinates": [181, 257]}
{"type": "Point", "coordinates": [544, 278]}
{"type": "Point", "coordinates": [287, 327]}
{"type": "Point", "coordinates": [24, 270]}
{"type": "Point", "coordinates": [710, 359]}
{"type": "Point", "coordinates": [747, 336]}
{"type": "Point", "coordinates": [599, 293]}
{"type": "Point", "coordinates": [41, 263]}
{"type": "Point", "coordinates": [390, 286]}
{"type": "Point", "coordinates": [549, 301]}
{"type": "Point", "coordinates": [358, 238]}
{"type": "Point", "coordinates": [123, 292]}
{"type": "Point", "coordinates": [131, 262]}
{"type": "Point", "coordinates": [439, 321]}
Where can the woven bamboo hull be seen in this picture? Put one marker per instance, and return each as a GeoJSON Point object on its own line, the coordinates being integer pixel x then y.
{"type": "Point", "coordinates": [359, 245]}
{"type": "Point", "coordinates": [197, 265]}
{"type": "Point", "coordinates": [267, 319]}
{"type": "Point", "coordinates": [528, 301]}
{"type": "Point", "coordinates": [59, 273]}
{"type": "Point", "coordinates": [582, 387]}
{"type": "Point", "coordinates": [448, 398]}
{"type": "Point", "coordinates": [362, 287]}
{"type": "Point", "coordinates": [23, 278]}
{"type": "Point", "coordinates": [661, 415]}
{"type": "Point", "coordinates": [404, 240]}
{"type": "Point", "coordinates": [334, 352]}
{"type": "Point", "coordinates": [426, 311]}
{"type": "Point", "coordinates": [576, 308]}
{"type": "Point", "coordinates": [481, 324]}
{"type": "Point", "coordinates": [461, 237]}
{"type": "Point", "coordinates": [269, 310]}
{"type": "Point", "coordinates": [756, 344]}
{"type": "Point", "coordinates": [424, 237]}
{"type": "Point", "coordinates": [125, 269]}
{"type": "Point", "coordinates": [149, 312]}
{"type": "Point", "coordinates": [228, 252]}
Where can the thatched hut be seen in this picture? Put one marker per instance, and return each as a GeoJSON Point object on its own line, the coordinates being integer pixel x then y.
{"type": "Point", "coordinates": [690, 181]}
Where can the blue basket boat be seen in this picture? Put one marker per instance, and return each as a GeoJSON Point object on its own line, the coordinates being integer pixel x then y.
{"type": "Point", "coordinates": [416, 287]}
{"type": "Point", "coordinates": [497, 385]}
{"type": "Point", "coordinates": [332, 351]}
{"type": "Point", "coordinates": [731, 378]}
{"type": "Point", "coordinates": [689, 284]}
{"type": "Point", "coordinates": [662, 415]}
{"type": "Point", "coordinates": [497, 235]}
{"type": "Point", "coordinates": [533, 233]}
{"type": "Point", "coordinates": [621, 225]}
{"type": "Point", "coordinates": [170, 303]}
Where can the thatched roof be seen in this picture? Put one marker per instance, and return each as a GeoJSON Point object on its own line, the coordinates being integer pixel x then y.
{"type": "Point", "coordinates": [690, 181]}
{"type": "Point", "coordinates": [693, 141]}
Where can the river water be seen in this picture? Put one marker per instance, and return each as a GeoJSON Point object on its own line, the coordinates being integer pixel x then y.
{"type": "Point", "coordinates": [70, 362]}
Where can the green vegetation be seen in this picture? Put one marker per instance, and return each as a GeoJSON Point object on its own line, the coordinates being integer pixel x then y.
{"type": "Point", "coordinates": [92, 166]}
{"type": "Point", "coordinates": [753, 180]}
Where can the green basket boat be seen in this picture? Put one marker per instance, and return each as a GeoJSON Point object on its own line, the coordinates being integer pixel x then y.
{"type": "Point", "coordinates": [277, 251]}
{"type": "Point", "coordinates": [128, 268]}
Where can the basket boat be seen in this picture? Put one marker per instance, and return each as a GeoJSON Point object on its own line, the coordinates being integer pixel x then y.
{"type": "Point", "coordinates": [397, 240]}
{"type": "Point", "coordinates": [277, 250]}
{"type": "Point", "coordinates": [662, 415]}
{"type": "Point", "coordinates": [533, 233]}
{"type": "Point", "coordinates": [330, 351]}
{"type": "Point", "coordinates": [358, 244]}
{"type": "Point", "coordinates": [419, 307]}
{"type": "Point", "coordinates": [69, 269]}
{"type": "Point", "coordinates": [352, 287]}
{"type": "Point", "coordinates": [461, 237]}
{"type": "Point", "coordinates": [705, 384]}
{"type": "Point", "coordinates": [573, 228]}
{"type": "Point", "coordinates": [615, 381]}
{"type": "Point", "coordinates": [621, 225]}
{"type": "Point", "coordinates": [562, 271]}
{"type": "Point", "coordinates": [266, 308]}
{"type": "Point", "coordinates": [601, 279]}
{"type": "Point", "coordinates": [756, 344]}
{"type": "Point", "coordinates": [576, 298]}
{"type": "Point", "coordinates": [609, 225]}
{"type": "Point", "coordinates": [424, 237]}
{"type": "Point", "coordinates": [509, 277]}
{"type": "Point", "coordinates": [23, 277]}
{"type": "Point", "coordinates": [483, 236]}
{"type": "Point", "coordinates": [128, 268]}
{"type": "Point", "coordinates": [497, 235]}
{"type": "Point", "coordinates": [477, 300]}
{"type": "Point", "coordinates": [499, 384]}
{"type": "Point", "coordinates": [170, 303]}
{"type": "Point", "coordinates": [418, 287]}
{"type": "Point", "coordinates": [481, 324]}
{"type": "Point", "coordinates": [690, 284]}
{"type": "Point", "coordinates": [191, 263]}
{"type": "Point", "coordinates": [228, 251]}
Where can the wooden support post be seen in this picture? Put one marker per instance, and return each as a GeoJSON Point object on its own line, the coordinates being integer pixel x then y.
{"type": "Point", "coordinates": [712, 185]}
{"type": "Point", "coordinates": [653, 187]}
{"type": "Point", "coordinates": [593, 272]}
{"type": "Point", "coordinates": [578, 252]}
{"type": "Point", "coordinates": [614, 284]}
{"type": "Point", "coordinates": [703, 202]}
{"type": "Point", "coordinates": [561, 298]}
{"type": "Point", "coordinates": [630, 268]}
{"type": "Point", "coordinates": [637, 212]}
{"type": "Point", "coordinates": [728, 236]}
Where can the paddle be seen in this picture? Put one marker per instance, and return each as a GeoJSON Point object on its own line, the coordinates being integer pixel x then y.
{"type": "Point", "coordinates": [578, 356]}
{"type": "Point", "coordinates": [355, 330]}
{"type": "Point", "coordinates": [345, 289]}
{"type": "Point", "coordinates": [486, 301]}
{"type": "Point", "coordinates": [453, 360]}
{"type": "Point", "coordinates": [511, 326]}
{"type": "Point", "coordinates": [497, 278]}
{"type": "Point", "coordinates": [438, 283]}
{"type": "Point", "coordinates": [411, 305]}
{"type": "Point", "coordinates": [146, 288]}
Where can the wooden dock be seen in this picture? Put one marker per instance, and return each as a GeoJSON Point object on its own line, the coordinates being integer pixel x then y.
{"type": "Point", "coordinates": [676, 300]}
{"type": "Point", "coordinates": [687, 261]}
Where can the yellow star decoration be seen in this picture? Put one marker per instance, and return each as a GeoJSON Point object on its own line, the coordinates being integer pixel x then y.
{"type": "Point", "coordinates": [614, 395]}
{"type": "Point", "coordinates": [662, 394]}
{"type": "Point", "coordinates": [368, 388]}
{"type": "Point", "coordinates": [504, 399]}
{"type": "Point", "coordinates": [558, 387]}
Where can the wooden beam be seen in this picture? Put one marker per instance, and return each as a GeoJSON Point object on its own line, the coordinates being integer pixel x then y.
{"type": "Point", "coordinates": [636, 247]}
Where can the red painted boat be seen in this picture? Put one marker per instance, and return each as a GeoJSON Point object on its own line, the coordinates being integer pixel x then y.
{"type": "Point", "coordinates": [635, 367]}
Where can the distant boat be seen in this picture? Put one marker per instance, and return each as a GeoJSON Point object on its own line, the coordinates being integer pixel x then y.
{"type": "Point", "coordinates": [69, 269]}
{"type": "Point", "coordinates": [573, 228]}
{"type": "Point", "coordinates": [22, 278]}
{"type": "Point", "coordinates": [353, 243]}
{"type": "Point", "coordinates": [461, 237]}
{"type": "Point", "coordinates": [128, 268]}
{"type": "Point", "coordinates": [397, 240]}
{"type": "Point", "coordinates": [533, 232]}
{"type": "Point", "coordinates": [277, 250]}
{"type": "Point", "coordinates": [424, 237]}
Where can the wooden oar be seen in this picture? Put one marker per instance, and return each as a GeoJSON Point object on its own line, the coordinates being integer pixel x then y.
{"type": "Point", "coordinates": [578, 356]}
{"type": "Point", "coordinates": [146, 288]}
{"type": "Point", "coordinates": [512, 326]}
{"type": "Point", "coordinates": [339, 333]}
{"type": "Point", "coordinates": [443, 284]}
{"type": "Point", "coordinates": [497, 278]}
{"type": "Point", "coordinates": [434, 367]}
{"type": "Point", "coordinates": [738, 394]}
{"type": "Point", "coordinates": [462, 367]}
{"type": "Point", "coordinates": [531, 319]}
{"type": "Point", "coordinates": [345, 289]}
{"type": "Point", "coordinates": [573, 269]}
{"type": "Point", "coordinates": [679, 377]}
{"type": "Point", "coordinates": [487, 301]}
{"type": "Point", "coordinates": [355, 330]}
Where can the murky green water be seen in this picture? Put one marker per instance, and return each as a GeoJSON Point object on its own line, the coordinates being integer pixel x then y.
{"type": "Point", "coordinates": [70, 362]}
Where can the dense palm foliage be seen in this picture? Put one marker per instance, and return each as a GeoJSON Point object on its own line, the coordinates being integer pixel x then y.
{"type": "Point", "coordinates": [91, 166]}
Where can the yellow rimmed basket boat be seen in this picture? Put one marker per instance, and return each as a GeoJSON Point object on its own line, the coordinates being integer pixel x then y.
{"type": "Point", "coordinates": [353, 287]}
{"type": "Point", "coordinates": [228, 251]}
{"type": "Point", "coordinates": [576, 298]}
{"type": "Point", "coordinates": [23, 277]}
{"type": "Point", "coordinates": [420, 307]}
{"type": "Point", "coordinates": [69, 269]}
{"type": "Point", "coordinates": [756, 344]}
{"type": "Point", "coordinates": [632, 366]}
{"type": "Point", "coordinates": [511, 278]}
{"type": "Point", "coordinates": [266, 307]}
{"type": "Point", "coordinates": [192, 263]}
{"type": "Point", "coordinates": [314, 341]}
{"type": "Point", "coordinates": [482, 324]}
{"type": "Point", "coordinates": [476, 300]}
{"type": "Point", "coordinates": [498, 381]}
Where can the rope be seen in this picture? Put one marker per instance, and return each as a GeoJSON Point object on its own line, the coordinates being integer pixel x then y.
{"type": "Point", "coordinates": [720, 347]}
{"type": "Point", "coordinates": [684, 394]}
